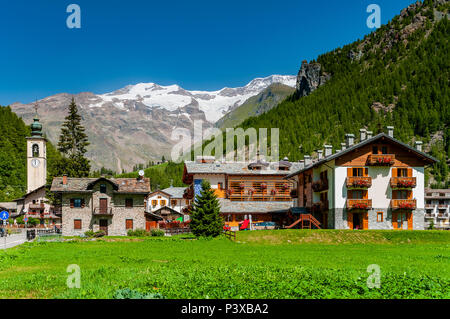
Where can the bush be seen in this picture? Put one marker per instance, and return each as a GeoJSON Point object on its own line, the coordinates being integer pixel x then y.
{"type": "Point", "coordinates": [127, 293]}
{"type": "Point", "coordinates": [89, 233]}
{"type": "Point", "coordinates": [138, 233]}
{"type": "Point", "coordinates": [157, 233]}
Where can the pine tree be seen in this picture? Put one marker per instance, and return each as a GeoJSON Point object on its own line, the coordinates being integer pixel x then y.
{"type": "Point", "coordinates": [72, 144]}
{"type": "Point", "coordinates": [205, 217]}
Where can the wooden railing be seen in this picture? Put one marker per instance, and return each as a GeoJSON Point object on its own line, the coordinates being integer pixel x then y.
{"type": "Point", "coordinates": [359, 182]}
{"type": "Point", "coordinates": [403, 203]}
{"type": "Point", "coordinates": [359, 203]}
{"type": "Point", "coordinates": [381, 159]}
{"type": "Point", "coordinates": [98, 211]}
{"type": "Point", "coordinates": [189, 193]}
{"type": "Point", "coordinates": [259, 190]}
{"type": "Point", "coordinates": [36, 206]}
{"type": "Point", "coordinates": [320, 206]}
{"type": "Point", "coordinates": [403, 182]}
{"type": "Point", "coordinates": [320, 185]}
{"type": "Point", "coordinates": [231, 235]}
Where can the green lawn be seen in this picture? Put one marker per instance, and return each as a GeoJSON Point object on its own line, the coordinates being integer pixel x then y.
{"type": "Point", "coordinates": [260, 264]}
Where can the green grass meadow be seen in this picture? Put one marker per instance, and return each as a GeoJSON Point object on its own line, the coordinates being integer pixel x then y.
{"type": "Point", "coordinates": [293, 264]}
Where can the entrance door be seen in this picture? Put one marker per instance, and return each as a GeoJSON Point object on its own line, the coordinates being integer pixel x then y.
{"type": "Point", "coordinates": [103, 205]}
{"type": "Point", "coordinates": [356, 221]}
{"type": "Point", "coordinates": [104, 225]}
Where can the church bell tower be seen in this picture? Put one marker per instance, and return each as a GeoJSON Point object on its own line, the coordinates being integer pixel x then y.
{"type": "Point", "coordinates": [36, 156]}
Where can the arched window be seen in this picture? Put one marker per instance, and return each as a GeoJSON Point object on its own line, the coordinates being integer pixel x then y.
{"type": "Point", "coordinates": [35, 150]}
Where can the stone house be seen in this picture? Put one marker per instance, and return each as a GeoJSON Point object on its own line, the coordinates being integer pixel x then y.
{"type": "Point", "coordinates": [114, 205]}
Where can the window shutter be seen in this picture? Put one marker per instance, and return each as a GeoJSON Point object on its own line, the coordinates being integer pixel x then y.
{"type": "Point", "coordinates": [350, 220]}
{"type": "Point", "coordinates": [409, 172]}
{"type": "Point", "coordinates": [409, 194]}
{"type": "Point", "coordinates": [394, 172]}
{"type": "Point", "coordinates": [394, 220]}
{"type": "Point", "coordinates": [365, 221]}
{"type": "Point", "coordinates": [349, 172]}
{"type": "Point", "coordinates": [82, 203]}
{"type": "Point", "coordinates": [72, 203]}
{"type": "Point", "coordinates": [410, 221]}
{"type": "Point", "coordinates": [394, 194]}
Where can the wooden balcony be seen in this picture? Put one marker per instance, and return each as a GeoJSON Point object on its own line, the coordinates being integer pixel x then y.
{"type": "Point", "coordinates": [36, 206]}
{"type": "Point", "coordinates": [259, 190]}
{"type": "Point", "coordinates": [189, 193]}
{"type": "Point", "coordinates": [381, 159]}
{"type": "Point", "coordinates": [294, 193]}
{"type": "Point", "coordinates": [102, 212]}
{"type": "Point", "coordinates": [359, 204]}
{"type": "Point", "coordinates": [359, 182]}
{"type": "Point", "coordinates": [403, 182]}
{"type": "Point", "coordinates": [320, 185]}
{"type": "Point", "coordinates": [408, 204]}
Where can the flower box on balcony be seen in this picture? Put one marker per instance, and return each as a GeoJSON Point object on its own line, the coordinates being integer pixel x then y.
{"type": "Point", "coordinates": [403, 182]}
{"type": "Point", "coordinates": [320, 185]}
{"type": "Point", "coordinates": [359, 182]}
{"type": "Point", "coordinates": [381, 159]}
{"type": "Point", "coordinates": [406, 206]}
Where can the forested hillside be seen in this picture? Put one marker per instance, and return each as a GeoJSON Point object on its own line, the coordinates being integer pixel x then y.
{"type": "Point", "coordinates": [397, 75]}
{"type": "Point", "coordinates": [13, 171]}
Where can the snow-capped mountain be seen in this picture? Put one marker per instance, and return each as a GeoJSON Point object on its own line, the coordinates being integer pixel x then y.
{"type": "Point", "coordinates": [134, 124]}
{"type": "Point", "coordinates": [214, 104]}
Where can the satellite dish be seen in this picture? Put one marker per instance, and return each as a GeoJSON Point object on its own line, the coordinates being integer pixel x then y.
{"type": "Point", "coordinates": [141, 173]}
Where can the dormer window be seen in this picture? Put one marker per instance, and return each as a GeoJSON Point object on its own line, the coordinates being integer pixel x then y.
{"type": "Point", "coordinates": [375, 150]}
{"type": "Point", "coordinates": [103, 188]}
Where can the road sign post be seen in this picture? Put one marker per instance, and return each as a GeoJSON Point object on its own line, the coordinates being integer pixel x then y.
{"type": "Point", "coordinates": [4, 215]}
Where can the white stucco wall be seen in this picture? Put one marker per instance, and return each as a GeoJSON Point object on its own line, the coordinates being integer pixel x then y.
{"type": "Point", "coordinates": [419, 190]}
{"type": "Point", "coordinates": [214, 180]}
{"type": "Point", "coordinates": [340, 188]}
{"type": "Point", "coordinates": [380, 192]}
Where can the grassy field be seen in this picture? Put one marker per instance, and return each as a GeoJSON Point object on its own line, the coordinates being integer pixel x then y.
{"type": "Point", "coordinates": [260, 264]}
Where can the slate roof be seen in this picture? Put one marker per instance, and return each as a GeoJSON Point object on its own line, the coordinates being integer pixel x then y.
{"type": "Point", "coordinates": [124, 185]}
{"type": "Point", "coordinates": [228, 206]}
{"type": "Point", "coordinates": [175, 192]}
{"type": "Point", "coordinates": [8, 205]}
{"type": "Point", "coordinates": [358, 145]}
{"type": "Point", "coordinates": [236, 168]}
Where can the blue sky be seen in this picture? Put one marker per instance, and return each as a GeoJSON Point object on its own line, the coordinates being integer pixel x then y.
{"type": "Point", "coordinates": [204, 45]}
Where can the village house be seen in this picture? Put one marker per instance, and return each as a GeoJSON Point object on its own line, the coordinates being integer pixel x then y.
{"type": "Point", "coordinates": [256, 192]}
{"type": "Point", "coordinates": [377, 183]}
{"type": "Point", "coordinates": [437, 206]}
{"type": "Point", "coordinates": [113, 205]}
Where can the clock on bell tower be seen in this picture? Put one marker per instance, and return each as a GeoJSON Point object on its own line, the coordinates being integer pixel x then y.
{"type": "Point", "coordinates": [36, 157]}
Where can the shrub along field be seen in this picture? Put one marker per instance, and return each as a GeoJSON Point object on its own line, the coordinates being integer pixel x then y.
{"type": "Point", "coordinates": [260, 264]}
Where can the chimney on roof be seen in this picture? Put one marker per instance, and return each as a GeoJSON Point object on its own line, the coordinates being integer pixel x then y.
{"type": "Point", "coordinates": [343, 146]}
{"type": "Point", "coordinates": [362, 134]}
{"type": "Point", "coordinates": [328, 150]}
{"type": "Point", "coordinates": [369, 134]}
{"type": "Point", "coordinates": [302, 164]}
{"type": "Point", "coordinates": [65, 179]}
{"type": "Point", "coordinates": [319, 154]}
{"type": "Point", "coordinates": [349, 140]}
{"type": "Point", "coordinates": [307, 160]}
{"type": "Point", "coordinates": [390, 131]}
{"type": "Point", "coordinates": [418, 145]}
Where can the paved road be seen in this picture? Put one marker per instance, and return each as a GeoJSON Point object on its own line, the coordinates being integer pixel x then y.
{"type": "Point", "coordinates": [12, 240]}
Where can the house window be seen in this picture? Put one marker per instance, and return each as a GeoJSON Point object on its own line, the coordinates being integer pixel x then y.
{"type": "Point", "coordinates": [103, 188]}
{"type": "Point", "coordinates": [374, 149]}
{"type": "Point", "coordinates": [187, 202]}
{"type": "Point", "coordinates": [77, 224]}
{"type": "Point", "coordinates": [402, 172]}
{"type": "Point", "coordinates": [76, 203]}
{"type": "Point", "coordinates": [219, 186]}
{"type": "Point", "coordinates": [384, 150]}
{"type": "Point", "coordinates": [174, 202]}
{"type": "Point", "coordinates": [379, 217]}
{"type": "Point", "coordinates": [162, 202]}
{"type": "Point", "coordinates": [358, 171]}
{"type": "Point", "coordinates": [159, 196]}
{"type": "Point", "coordinates": [154, 202]}
{"type": "Point", "coordinates": [356, 194]}
{"type": "Point", "coordinates": [128, 202]}
{"type": "Point", "coordinates": [128, 224]}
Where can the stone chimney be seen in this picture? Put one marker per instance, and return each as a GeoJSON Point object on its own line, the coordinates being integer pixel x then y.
{"type": "Point", "coordinates": [307, 160]}
{"type": "Point", "coordinates": [390, 131]}
{"type": "Point", "coordinates": [328, 150]}
{"type": "Point", "coordinates": [64, 179]}
{"type": "Point", "coordinates": [418, 145]}
{"type": "Point", "coordinates": [349, 140]}
{"type": "Point", "coordinates": [362, 134]}
{"type": "Point", "coordinates": [302, 164]}
{"type": "Point", "coordinates": [369, 134]}
{"type": "Point", "coordinates": [343, 146]}
{"type": "Point", "coordinates": [319, 154]}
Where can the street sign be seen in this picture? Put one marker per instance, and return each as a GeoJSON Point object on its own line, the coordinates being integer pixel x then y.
{"type": "Point", "coordinates": [25, 219]}
{"type": "Point", "coordinates": [4, 215]}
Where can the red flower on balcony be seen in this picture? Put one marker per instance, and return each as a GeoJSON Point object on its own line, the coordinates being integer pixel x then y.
{"type": "Point", "coordinates": [406, 205]}
{"type": "Point", "coordinates": [230, 192]}
{"type": "Point", "coordinates": [263, 186]}
{"type": "Point", "coordinates": [285, 186]}
{"type": "Point", "coordinates": [242, 185]}
{"type": "Point", "coordinates": [360, 206]}
{"type": "Point", "coordinates": [361, 183]}
{"type": "Point", "coordinates": [274, 191]}
{"type": "Point", "coordinates": [251, 191]}
{"type": "Point", "coordinates": [405, 183]}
